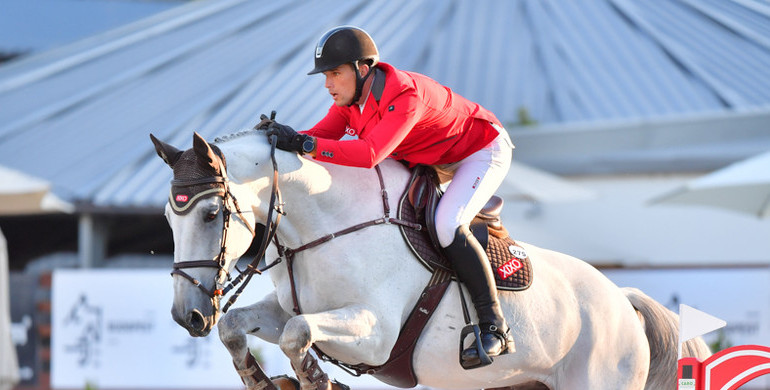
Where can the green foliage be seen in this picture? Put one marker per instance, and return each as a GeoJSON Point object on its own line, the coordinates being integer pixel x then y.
{"type": "Point", "coordinates": [524, 118]}
{"type": "Point", "coordinates": [258, 356]}
{"type": "Point", "coordinates": [721, 342]}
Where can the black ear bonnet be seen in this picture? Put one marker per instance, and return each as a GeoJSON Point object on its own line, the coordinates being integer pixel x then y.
{"type": "Point", "coordinates": [195, 179]}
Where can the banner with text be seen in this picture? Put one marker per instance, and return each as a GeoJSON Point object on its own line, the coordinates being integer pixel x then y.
{"type": "Point", "coordinates": [113, 329]}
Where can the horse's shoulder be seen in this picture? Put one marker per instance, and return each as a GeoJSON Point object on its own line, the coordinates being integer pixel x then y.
{"type": "Point", "coordinates": [391, 167]}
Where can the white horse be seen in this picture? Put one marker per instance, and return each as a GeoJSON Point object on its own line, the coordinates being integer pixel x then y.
{"type": "Point", "coordinates": [573, 328]}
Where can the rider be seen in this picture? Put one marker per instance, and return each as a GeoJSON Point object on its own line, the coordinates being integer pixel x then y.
{"type": "Point", "coordinates": [408, 116]}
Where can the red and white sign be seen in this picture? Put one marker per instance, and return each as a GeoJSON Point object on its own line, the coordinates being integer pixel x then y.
{"type": "Point", "coordinates": [726, 370]}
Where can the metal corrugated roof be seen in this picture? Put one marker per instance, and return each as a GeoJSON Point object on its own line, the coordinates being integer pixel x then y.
{"type": "Point", "coordinates": [79, 115]}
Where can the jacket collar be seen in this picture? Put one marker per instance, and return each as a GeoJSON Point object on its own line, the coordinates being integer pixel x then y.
{"type": "Point", "coordinates": [371, 106]}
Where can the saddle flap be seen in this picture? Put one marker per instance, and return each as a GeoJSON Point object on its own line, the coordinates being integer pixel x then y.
{"type": "Point", "coordinates": [418, 192]}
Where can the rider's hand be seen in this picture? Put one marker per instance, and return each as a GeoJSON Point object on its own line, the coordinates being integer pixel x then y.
{"type": "Point", "coordinates": [288, 139]}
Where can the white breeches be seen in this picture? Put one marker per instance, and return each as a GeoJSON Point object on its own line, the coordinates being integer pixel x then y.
{"type": "Point", "coordinates": [472, 181]}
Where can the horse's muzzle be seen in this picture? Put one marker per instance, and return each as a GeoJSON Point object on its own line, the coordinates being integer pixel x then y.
{"type": "Point", "coordinates": [195, 322]}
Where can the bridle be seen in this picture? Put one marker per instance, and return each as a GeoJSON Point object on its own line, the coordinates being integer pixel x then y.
{"type": "Point", "coordinates": [276, 205]}
{"type": "Point", "coordinates": [222, 188]}
{"type": "Point", "coordinates": [220, 289]}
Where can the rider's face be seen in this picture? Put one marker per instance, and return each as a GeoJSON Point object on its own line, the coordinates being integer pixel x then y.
{"type": "Point", "coordinates": [341, 83]}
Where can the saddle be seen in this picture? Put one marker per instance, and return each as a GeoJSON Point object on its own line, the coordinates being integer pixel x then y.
{"type": "Point", "coordinates": [513, 270]}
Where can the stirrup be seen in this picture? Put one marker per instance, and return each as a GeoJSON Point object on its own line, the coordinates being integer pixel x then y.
{"type": "Point", "coordinates": [484, 358]}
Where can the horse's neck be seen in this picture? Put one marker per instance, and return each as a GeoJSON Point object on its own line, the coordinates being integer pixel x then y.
{"type": "Point", "coordinates": [324, 198]}
{"type": "Point", "coordinates": [318, 198]}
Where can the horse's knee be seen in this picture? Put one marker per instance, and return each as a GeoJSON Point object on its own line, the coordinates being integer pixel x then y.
{"type": "Point", "coordinates": [231, 332]}
{"type": "Point", "coordinates": [296, 337]}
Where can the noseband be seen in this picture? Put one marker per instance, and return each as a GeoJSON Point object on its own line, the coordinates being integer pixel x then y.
{"type": "Point", "coordinates": [219, 290]}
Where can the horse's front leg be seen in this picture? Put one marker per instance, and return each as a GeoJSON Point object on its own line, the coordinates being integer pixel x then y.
{"type": "Point", "coordinates": [353, 331]}
{"type": "Point", "coordinates": [264, 319]}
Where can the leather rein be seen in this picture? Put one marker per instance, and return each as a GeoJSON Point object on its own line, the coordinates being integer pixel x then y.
{"type": "Point", "coordinates": [284, 252]}
{"type": "Point", "coordinates": [219, 263]}
{"type": "Point", "coordinates": [275, 205]}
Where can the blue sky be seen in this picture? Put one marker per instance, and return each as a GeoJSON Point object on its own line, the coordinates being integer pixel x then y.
{"type": "Point", "coordinates": [37, 25]}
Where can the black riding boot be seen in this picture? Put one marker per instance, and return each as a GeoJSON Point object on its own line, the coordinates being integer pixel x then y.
{"type": "Point", "coordinates": [470, 261]}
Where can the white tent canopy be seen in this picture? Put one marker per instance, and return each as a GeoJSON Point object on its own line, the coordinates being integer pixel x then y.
{"type": "Point", "coordinates": [24, 194]}
{"type": "Point", "coordinates": [743, 186]}
{"type": "Point", "coordinates": [527, 183]}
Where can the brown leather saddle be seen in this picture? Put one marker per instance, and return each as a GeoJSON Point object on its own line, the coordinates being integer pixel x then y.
{"type": "Point", "coordinates": [513, 270]}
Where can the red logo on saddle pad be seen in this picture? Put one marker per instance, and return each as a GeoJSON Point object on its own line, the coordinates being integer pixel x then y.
{"type": "Point", "coordinates": [182, 198]}
{"type": "Point", "coordinates": [509, 268]}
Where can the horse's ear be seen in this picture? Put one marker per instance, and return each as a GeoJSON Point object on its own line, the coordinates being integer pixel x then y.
{"type": "Point", "coordinates": [207, 159]}
{"type": "Point", "coordinates": [168, 153]}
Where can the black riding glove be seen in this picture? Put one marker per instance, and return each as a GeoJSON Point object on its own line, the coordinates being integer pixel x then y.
{"type": "Point", "coordinates": [288, 139]}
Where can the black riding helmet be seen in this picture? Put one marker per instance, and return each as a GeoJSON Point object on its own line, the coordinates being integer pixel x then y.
{"type": "Point", "coordinates": [342, 45]}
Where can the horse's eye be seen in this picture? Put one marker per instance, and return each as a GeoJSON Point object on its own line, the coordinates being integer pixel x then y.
{"type": "Point", "coordinates": [211, 216]}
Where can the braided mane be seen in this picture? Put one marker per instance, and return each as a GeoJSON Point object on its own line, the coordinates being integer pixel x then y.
{"type": "Point", "coordinates": [237, 134]}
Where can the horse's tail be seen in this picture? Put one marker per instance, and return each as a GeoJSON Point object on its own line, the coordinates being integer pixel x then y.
{"type": "Point", "coordinates": [662, 329]}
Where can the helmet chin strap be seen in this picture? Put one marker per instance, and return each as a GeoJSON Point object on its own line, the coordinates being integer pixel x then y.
{"type": "Point", "coordinates": [359, 83]}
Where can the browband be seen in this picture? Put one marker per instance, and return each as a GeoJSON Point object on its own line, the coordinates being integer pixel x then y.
{"type": "Point", "coordinates": [187, 201]}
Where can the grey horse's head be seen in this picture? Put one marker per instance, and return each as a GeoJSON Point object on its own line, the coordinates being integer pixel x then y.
{"type": "Point", "coordinates": [209, 234]}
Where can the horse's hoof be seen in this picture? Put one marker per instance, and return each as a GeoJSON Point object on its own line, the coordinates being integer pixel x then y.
{"type": "Point", "coordinates": [285, 382]}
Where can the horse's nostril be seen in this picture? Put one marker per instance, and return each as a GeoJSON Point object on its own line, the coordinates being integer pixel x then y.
{"type": "Point", "coordinates": [196, 321]}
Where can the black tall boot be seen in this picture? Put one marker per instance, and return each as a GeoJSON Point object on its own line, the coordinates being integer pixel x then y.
{"type": "Point", "coordinates": [470, 261]}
